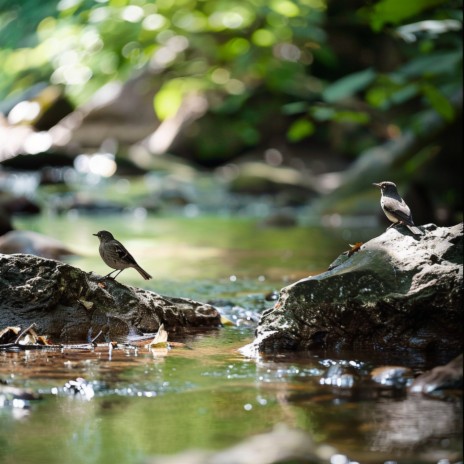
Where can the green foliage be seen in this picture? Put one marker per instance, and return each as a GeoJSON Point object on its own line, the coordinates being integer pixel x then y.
{"type": "Point", "coordinates": [88, 43]}
{"type": "Point", "coordinates": [300, 129]}
{"type": "Point", "coordinates": [438, 101]}
{"type": "Point", "coordinates": [348, 86]}
{"type": "Point", "coordinates": [234, 51]}
{"type": "Point", "coordinates": [386, 12]}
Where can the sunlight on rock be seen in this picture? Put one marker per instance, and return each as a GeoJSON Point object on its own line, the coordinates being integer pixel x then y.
{"type": "Point", "coordinates": [102, 164]}
{"type": "Point", "coordinates": [37, 142]}
{"type": "Point", "coordinates": [25, 111]}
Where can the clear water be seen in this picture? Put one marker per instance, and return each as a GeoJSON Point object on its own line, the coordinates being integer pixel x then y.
{"type": "Point", "coordinates": [203, 393]}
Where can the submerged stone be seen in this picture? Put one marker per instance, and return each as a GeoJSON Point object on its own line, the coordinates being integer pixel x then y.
{"type": "Point", "coordinates": [449, 376]}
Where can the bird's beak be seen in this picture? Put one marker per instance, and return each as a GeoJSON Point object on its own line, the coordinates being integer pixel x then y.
{"type": "Point", "coordinates": [96, 235]}
{"type": "Point", "coordinates": [377, 185]}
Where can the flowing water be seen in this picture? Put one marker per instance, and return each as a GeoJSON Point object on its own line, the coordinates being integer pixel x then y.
{"type": "Point", "coordinates": [134, 402]}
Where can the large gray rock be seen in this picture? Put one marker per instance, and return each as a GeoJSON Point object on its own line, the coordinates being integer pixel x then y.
{"type": "Point", "coordinates": [397, 292]}
{"type": "Point", "coordinates": [30, 242]}
{"type": "Point", "coordinates": [69, 304]}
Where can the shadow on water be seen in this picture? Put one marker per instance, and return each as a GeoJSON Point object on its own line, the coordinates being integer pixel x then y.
{"type": "Point", "coordinates": [134, 402]}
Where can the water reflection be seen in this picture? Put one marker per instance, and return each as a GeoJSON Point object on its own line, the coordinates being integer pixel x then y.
{"type": "Point", "coordinates": [133, 403]}
{"type": "Point", "coordinates": [407, 425]}
{"type": "Point", "coordinates": [204, 394]}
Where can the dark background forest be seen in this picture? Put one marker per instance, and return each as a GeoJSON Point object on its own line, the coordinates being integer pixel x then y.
{"type": "Point", "coordinates": [318, 98]}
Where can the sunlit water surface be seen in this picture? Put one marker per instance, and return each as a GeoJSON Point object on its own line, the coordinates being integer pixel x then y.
{"type": "Point", "coordinates": [136, 402]}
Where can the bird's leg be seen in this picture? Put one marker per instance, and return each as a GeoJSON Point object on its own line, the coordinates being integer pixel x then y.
{"type": "Point", "coordinates": [393, 224]}
{"type": "Point", "coordinates": [109, 275]}
{"type": "Point", "coordinates": [114, 278]}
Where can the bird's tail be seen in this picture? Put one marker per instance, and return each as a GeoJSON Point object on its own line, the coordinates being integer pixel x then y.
{"type": "Point", "coordinates": [415, 230]}
{"type": "Point", "coordinates": [143, 273]}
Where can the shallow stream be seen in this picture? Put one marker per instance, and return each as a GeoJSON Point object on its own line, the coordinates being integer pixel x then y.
{"type": "Point", "coordinates": [135, 402]}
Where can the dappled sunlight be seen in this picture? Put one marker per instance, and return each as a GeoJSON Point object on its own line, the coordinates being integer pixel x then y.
{"type": "Point", "coordinates": [231, 147]}
{"type": "Point", "coordinates": [101, 164]}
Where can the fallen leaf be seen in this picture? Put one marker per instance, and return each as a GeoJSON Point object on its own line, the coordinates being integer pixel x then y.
{"type": "Point", "coordinates": [354, 248]}
{"type": "Point", "coordinates": [161, 339]}
{"type": "Point", "coordinates": [226, 322]}
{"type": "Point", "coordinates": [29, 337]}
{"type": "Point", "coordinates": [86, 304]}
{"type": "Point", "coordinates": [43, 340]}
{"type": "Point", "coordinates": [9, 334]}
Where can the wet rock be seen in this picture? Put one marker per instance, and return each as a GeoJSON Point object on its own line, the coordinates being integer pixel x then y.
{"type": "Point", "coordinates": [68, 304]}
{"type": "Point", "coordinates": [13, 204]}
{"type": "Point", "coordinates": [33, 243]}
{"type": "Point", "coordinates": [340, 375]}
{"type": "Point", "coordinates": [449, 376]}
{"type": "Point", "coordinates": [16, 398]}
{"type": "Point", "coordinates": [37, 162]}
{"type": "Point", "coordinates": [397, 292]}
{"type": "Point", "coordinates": [79, 387]}
{"type": "Point", "coordinates": [283, 444]}
{"type": "Point", "coordinates": [235, 314]}
{"type": "Point", "coordinates": [5, 221]}
{"type": "Point", "coordinates": [392, 376]}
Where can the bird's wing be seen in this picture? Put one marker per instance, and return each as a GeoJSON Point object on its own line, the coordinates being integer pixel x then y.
{"type": "Point", "coordinates": [123, 254]}
{"type": "Point", "coordinates": [402, 213]}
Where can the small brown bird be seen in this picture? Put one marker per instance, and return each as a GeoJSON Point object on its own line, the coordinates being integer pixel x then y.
{"type": "Point", "coordinates": [395, 208]}
{"type": "Point", "coordinates": [115, 255]}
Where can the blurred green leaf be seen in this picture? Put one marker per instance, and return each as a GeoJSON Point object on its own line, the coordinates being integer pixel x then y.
{"type": "Point", "coordinates": [341, 116]}
{"type": "Point", "coordinates": [439, 102]}
{"type": "Point", "coordinates": [395, 11]}
{"type": "Point", "coordinates": [352, 117]}
{"type": "Point", "coordinates": [295, 108]}
{"type": "Point", "coordinates": [285, 7]}
{"type": "Point", "coordinates": [386, 93]}
{"type": "Point", "coordinates": [167, 101]}
{"type": "Point", "coordinates": [323, 113]}
{"type": "Point", "coordinates": [300, 129]}
{"type": "Point", "coordinates": [431, 64]}
{"type": "Point", "coordinates": [348, 86]}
